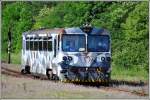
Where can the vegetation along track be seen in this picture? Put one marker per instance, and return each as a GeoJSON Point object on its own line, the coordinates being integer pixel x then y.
{"type": "Point", "coordinates": [115, 85]}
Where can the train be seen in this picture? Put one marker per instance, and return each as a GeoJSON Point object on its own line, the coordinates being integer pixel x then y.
{"type": "Point", "coordinates": [68, 54]}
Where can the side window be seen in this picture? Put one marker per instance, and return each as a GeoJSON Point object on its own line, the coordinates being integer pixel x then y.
{"type": "Point", "coordinates": [31, 45]}
{"type": "Point", "coordinates": [49, 45]}
{"type": "Point", "coordinates": [55, 47]}
{"type": "Point", "coordinates": [40, 45]}
{"type": "Point", "coordinates": [27, 45]}
{"type": "Point", "coordinates": [45, 45]}
{"type": "Point", "coordinates": [58, 41]}
{"type": "Point", "coordinates": [36, 45]}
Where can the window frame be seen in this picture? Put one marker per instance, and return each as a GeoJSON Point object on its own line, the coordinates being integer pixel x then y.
{"type": "Point", "coordinates": [98, 35]}
{"type": "Point", "coordinates": [73, 35]}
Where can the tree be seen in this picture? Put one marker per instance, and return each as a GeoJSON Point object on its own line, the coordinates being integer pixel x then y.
{"type": "Point", "coordinates": [18, 17]}
{"type": "Point", "coordinates": [127, 22]}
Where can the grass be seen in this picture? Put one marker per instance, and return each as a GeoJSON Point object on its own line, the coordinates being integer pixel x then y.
{"type": "Point", "coordinates": [15, 57]}
{"type": "Point", "coordinates": [120, 73]}
{"type": "Point", "coordinates": [131, 74]}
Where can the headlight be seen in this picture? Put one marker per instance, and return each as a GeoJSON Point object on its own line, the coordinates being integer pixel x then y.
{"type": "Point", "coordinates": [64, 58]}
{"type": "Point", "coordinates": [100, 59]}
{"type": "Point", "coordinates": [69, 58]}
{"type": "Point", "coordinates": [103, 58]}
{"type": "Point", "coordinates": [108, 58]}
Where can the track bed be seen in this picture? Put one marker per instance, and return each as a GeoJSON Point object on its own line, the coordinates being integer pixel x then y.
{"type": "Point", "coordinates": [16, 85]}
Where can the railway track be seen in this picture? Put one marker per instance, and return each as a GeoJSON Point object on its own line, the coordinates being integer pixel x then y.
{"type": "Point", "coordinates": [17, 74]}
{"type": "Point", "coordinates": [114, 84]}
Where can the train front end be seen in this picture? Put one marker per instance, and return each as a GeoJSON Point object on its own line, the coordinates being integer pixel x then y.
{"type": "Point", "coordinates": [85, 56]}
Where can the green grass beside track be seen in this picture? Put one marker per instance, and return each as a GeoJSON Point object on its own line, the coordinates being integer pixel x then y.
{"type": "Point", "coordinates": [15, 57]}
{"type": "Point", "coordinates": [132, 74]}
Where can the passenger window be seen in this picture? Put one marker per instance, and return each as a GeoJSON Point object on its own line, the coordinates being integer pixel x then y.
{"type": "Point", "coordinates": [31, 45]}
{"type": "Point", "coordinates": [27, 45]}
{"type": "Point", "coordinates": [45, 45]}
{"type": "Point", "coordinates": [36, 45]}
{"type": "Point", "coordinates": [40, 45]}
{"type": "Point", "coordinates": [49, 45]}
{"type": "Point", "coordinates": [58, 41]}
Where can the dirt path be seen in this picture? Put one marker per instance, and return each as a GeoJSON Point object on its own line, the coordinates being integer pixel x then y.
{"type": "Point", "coordinates": [27, 86]}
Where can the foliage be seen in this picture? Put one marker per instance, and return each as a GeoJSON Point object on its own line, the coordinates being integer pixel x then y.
{"type": "Point", "coordinates": [16, 17]}
{"type": "Point", "coordinates": [68, 14]}
{"type": "Point", "coordinates": [136, 34]}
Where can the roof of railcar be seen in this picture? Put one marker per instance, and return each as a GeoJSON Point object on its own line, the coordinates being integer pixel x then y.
{"type": "Point", "coordinates": [95, 31]}
{"type": "Point", "coordinates": [44, 31]}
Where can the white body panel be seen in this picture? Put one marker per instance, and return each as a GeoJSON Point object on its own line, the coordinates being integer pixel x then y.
{"type": "Point", "coordinates": [38, 61]}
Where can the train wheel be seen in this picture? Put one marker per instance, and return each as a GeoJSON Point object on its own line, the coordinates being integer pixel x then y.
{"type": "Point", "coordinates": [23, 71]}
{"type": "Point", "coordinates": [49, 74]}
{"type": "Point", "coordinates": [55, 77]}
{"type": "Point", "coordinates": [27, 69]}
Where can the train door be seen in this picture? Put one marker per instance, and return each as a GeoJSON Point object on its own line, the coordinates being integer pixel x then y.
{"type": "Point", "coordinates": [25, 56]}
{"type": "Point", "coordinates": [53, 69]}
{"type": "Point", "coordinates": [49, 53]}
{"type": "Point", "coordinates": [55, 46]}
{"type": "Point", "coordinates": [25, 48]}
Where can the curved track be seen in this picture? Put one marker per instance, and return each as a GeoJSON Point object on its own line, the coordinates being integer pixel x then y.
{"type": "Point", "coordinates": [115, 85]}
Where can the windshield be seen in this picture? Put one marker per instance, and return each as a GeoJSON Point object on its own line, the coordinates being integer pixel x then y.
{"type": "Point", "coordinates": [98, 43]}
{"type": "Point", "coordinates": [73, 43]}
